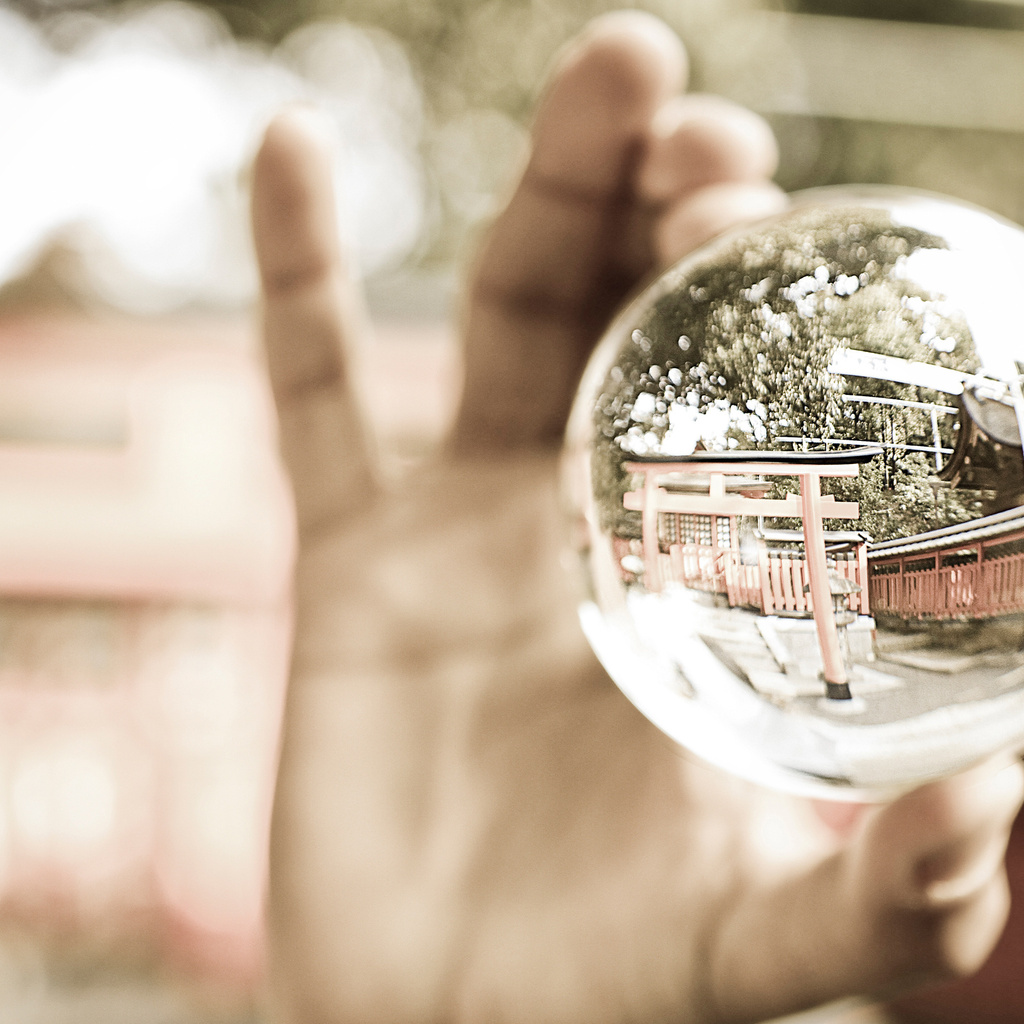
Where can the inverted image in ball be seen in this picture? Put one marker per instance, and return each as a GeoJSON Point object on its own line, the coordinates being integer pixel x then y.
{"type": "Point", "coordinates": [796, 485]}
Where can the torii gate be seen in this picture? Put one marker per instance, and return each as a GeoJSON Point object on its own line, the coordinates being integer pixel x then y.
{"type": "Point", "coordinates": [811, 507]}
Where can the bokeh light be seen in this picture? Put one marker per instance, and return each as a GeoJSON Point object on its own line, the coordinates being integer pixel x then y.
{"type": "Point", "coordinates": [133, 132]}
{"type": "Point", "coordinates": [144, 631]}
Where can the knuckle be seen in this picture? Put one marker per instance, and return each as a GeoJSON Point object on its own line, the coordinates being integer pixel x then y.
{"type": "Point", "coordinates": [954, 942]}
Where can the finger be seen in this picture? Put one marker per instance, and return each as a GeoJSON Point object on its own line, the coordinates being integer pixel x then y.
{"type": "Point", "coordinates": [548, 278]}
{"type": "Point", "coordinates": [919, 895]}
{"type": "Point", "coordinates": [941, 844]}
{"type": "Point", "coordinates": [588, 136]}
{"type": "Point", "coordinates": [310, 311]}
{"type": "Point", "coordinates": [707, 212]}
{"type": "Point", "coordinates": [697, 140]}
{"type": "Point", "coordinates": [929, 872]}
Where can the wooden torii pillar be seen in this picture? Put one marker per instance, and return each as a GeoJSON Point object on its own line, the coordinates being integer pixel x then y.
{"type": "Point", "coordinates": [810, 506]}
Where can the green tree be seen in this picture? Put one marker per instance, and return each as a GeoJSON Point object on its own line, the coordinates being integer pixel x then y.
{"type": "Point", "coordinates": [744, 338]}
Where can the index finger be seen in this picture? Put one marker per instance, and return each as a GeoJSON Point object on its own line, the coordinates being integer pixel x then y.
{"type": "Point", "coordinates": [310, 312]}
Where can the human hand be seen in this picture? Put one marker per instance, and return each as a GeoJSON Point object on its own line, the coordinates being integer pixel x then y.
{"type": "Point", "coordinates": [471, 822]}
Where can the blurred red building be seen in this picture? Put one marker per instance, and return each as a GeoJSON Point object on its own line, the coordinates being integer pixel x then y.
{"type": "Point", "coordinates": [145, 553]}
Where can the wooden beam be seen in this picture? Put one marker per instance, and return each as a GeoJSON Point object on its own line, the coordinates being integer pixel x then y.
{"type": "Point", "coordinates": [742, 468]}
{"type": "Point", "coordinates": [821, 592]}
{"type": "Point", "coordinates": [737, 505]}
{"type": "Point", "coordinates": [648, 505]}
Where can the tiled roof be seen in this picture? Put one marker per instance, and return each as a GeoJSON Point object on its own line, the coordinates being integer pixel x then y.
{"type": "Point", "coordinates": [949, 536]}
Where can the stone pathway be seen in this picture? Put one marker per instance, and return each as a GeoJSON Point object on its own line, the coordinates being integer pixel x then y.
{"type": "Point", "coordinates": [896, 675]}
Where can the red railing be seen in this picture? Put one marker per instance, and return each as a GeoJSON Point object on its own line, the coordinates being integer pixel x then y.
{"type": "Point", "coordinates": [785, 583]}
{"type": "Point", "coordinates": [776, 584]}
{"type": "Point", "coordinates": [975, 590]}
{"type": "Point", "coordinates": [714, 570]}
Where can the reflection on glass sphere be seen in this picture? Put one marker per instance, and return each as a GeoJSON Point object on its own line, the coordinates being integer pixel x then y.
{"type": "Point", "coordinates": [797, 492]}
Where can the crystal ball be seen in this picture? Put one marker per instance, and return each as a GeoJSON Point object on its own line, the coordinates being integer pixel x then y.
{"type": "Point", "coordinates": [796, 494]}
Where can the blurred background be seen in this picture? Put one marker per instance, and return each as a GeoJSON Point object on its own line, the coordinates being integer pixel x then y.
{"type": "Point", "coordinates": [144, 526]}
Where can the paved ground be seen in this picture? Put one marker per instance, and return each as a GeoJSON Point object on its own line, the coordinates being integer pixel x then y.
{"type": "Point", "coordinates": [893, 675]}
{"type": "Point", "coordinates": [923, 705]}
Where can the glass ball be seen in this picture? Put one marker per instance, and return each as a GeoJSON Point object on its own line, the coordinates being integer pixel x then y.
{"type": "Point", "coordinates": [796, 493]}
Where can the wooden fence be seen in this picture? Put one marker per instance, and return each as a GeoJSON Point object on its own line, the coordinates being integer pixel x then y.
{"type": "Point", "coordinates": [775, 585]}
{"type": "Point", "coordinates": [975, 590]}
{"type": "Point", "coordinates": [785, 576]}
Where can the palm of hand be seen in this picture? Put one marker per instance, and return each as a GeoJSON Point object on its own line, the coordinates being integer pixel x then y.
{"type": "Point", "coordinates": [471, 822]}
{"type": "Point", "coordinates": [496, 808]}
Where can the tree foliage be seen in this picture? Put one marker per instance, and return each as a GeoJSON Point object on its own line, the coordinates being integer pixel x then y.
{"type": "Point", "coordinates": [737, 352]}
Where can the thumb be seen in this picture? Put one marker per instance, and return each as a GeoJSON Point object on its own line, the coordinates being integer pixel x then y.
{"type": "Point", "coordinates": [928, 870]}
{"type": "Point", "coordinates": [919, 894]}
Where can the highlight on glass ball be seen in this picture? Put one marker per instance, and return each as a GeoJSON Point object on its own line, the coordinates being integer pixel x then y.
{"type": "Point", "coordinates": [796, 484]}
